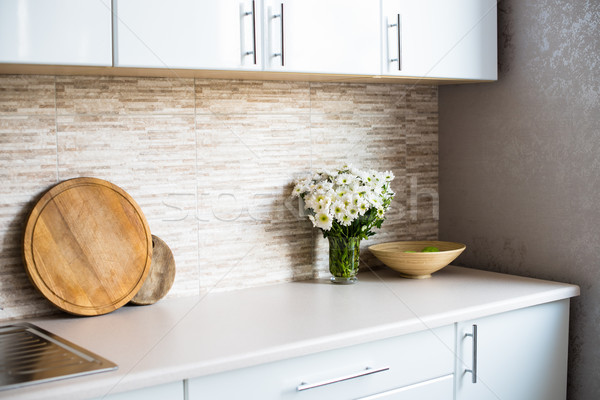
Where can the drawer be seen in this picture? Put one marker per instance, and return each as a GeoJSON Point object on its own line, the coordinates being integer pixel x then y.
{"type": "Point", "coordinates": [441, 388]}
{"type": "Point", "coordinates": [340, 373]}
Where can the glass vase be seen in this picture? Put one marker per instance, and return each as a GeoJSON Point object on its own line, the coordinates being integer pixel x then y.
{"type": "Point", "coordinates": [344, 257]}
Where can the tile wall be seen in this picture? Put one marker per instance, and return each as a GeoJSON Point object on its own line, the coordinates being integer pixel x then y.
{"type": "Point", "coordinates": [211, 163]}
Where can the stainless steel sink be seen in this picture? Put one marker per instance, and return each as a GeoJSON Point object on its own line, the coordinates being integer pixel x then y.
{"type": "Point", "coordinates": [30, 355]}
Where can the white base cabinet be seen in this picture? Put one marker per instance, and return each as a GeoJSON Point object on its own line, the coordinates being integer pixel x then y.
{"type": "Point", "coordinates": [520, 355]}
{"type": "Point", "coordinates": [515, 355]}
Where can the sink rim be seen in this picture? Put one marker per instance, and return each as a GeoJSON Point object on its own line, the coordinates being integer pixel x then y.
{"type": "Point", "coordinates": [33, 355]}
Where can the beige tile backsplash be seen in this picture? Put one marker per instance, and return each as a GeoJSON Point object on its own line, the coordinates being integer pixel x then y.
{"type": "Point", "coordinates": [211, 163]}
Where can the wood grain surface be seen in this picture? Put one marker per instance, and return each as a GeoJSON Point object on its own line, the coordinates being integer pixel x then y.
{"type": "Point", "coordinates": [161, 276]}
{"type": "Point", "coordinates": [87, 246]}
{"type": "Point", "coordinates": [417, 264]}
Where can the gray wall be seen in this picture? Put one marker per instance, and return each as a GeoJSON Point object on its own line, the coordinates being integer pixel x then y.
{"type": "Point", "coordinates": [520, 163]}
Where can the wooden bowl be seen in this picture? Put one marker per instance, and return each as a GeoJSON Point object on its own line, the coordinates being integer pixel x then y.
{"type": "Point", "coordinates": [417, 265]}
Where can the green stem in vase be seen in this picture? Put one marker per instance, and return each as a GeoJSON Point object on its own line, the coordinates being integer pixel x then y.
{"type": "Point", "coordinates": [344, 258]}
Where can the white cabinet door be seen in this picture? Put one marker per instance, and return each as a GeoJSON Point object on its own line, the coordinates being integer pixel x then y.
{"type": "Point", "coordinates": [56, 32]}
{"type": "Point", "coordinates": [200, 34]}
{"type": "Point", "coordinates": [315, 36]}
{"type": "Point", "coordinates": [440, 38]}
{"type": "Point", "coordinates": [521, 355]}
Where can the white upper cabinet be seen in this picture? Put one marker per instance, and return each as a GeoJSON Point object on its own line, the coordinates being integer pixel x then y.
{"type": "Point", "coordinates": [56, 32]}
{"type": "Point", "coordinates": [440, 38]}
{"type": "Point", "coordinates": [446, 39]}
{"type": "Point", "coordinates": [201, 34]}
{"type": "Point", "coordinates": [316, 36]}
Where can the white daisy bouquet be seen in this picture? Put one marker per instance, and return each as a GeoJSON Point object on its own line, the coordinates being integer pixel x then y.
{"type": "Point", "coordinates": [346, 202]}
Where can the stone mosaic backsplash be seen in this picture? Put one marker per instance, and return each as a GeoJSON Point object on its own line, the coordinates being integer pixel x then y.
{"type": "Point", "coordinates": [211, 163]}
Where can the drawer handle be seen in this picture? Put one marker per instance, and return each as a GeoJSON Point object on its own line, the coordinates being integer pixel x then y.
{"type": "Point", "coordinates": [367, 371]}
{"type": "Point", "coordinates": [473, 369]}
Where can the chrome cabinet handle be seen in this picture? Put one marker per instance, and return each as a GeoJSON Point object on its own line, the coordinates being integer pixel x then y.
{"type": "Point", "coordinates": [398, 25]}
{"type": "Point", "coordinates": [253, 13]}
{"type": "Point", "coordinates": [282, 53]}
{"type": "Point", "coordinates": [367, 371]}
{"type": "Point", "coordinates": [473, 369]}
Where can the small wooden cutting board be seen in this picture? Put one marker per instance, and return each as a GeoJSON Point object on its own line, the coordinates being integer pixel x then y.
{"type": "Point", "coordinates": [87, 246]}
{"type": "Point", "coordinates": [161, 276]}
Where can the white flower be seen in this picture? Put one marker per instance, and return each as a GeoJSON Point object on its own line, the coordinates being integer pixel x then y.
{"type": "Point", "coordinates": [363, 207]}
{"type": "Point", "coordinates": [362, 190]}
{"type": "Point", "coordinates": [323, 186]}
{"type": "Point", "coordinates": [317, 177]}
{"type": "Point", "coordinates": [346, 199]}
{"type": "Point", "coordinates": [345, 220]}
{"type": "Point", "coordinates": [341, 192]}
{"type": "Point", "coordinates": [315, 196]}
{"type": "Point", "coordinates": [353, 212]}
{"type": "Point", "coordinates": [354, 186]}
{"type": "Point", "coordinates": [317, 201]}
{"type": "Point", "coordinates": [321, 204]}
{"type": "Point", "coordinates": [302, 186]}
{"type": "Point", "coordinates": [361, 175]}
{"type": "Point", "coordinates": [342, 195]}
{"type": "Point", "coordinates": [378, 190]}
{"type": "Point", "coordinates": [322, 220]}
{"type": "Point", "coordinates": [298, 190]}
{"type": "Point", "coordinates": [379, 177]}
{"type": "Point", "coordinates": [344, 179]}
{"type": "Point", "coordinates": [339, 210]}
{"type": "Point", "coordinates": [373, 199]}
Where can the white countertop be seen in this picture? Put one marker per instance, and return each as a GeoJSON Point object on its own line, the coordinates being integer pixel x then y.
{"type": "Point", "coordinates": [177, 339]}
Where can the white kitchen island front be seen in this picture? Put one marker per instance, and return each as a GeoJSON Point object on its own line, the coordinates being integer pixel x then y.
{"type": "Point", "coordinates": [274, 340]}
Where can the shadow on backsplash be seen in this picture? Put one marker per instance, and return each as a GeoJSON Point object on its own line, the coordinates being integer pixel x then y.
{"type": "Point", "coordinates": [29, 300]}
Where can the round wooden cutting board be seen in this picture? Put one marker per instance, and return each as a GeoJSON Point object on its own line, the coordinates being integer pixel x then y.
{"type": "Point", "coordinates": [87, 246]}
{"type": "Point", "coordinates": [161, 276]}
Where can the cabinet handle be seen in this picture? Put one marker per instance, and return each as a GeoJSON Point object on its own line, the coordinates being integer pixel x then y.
{"type": "Point", "coordinates": [398, 25]}
{"type": "Point", "coordinates": [253, 13]}
{"type": "Point", "coordinates": [367, 371]}
{"type": "Point", "coordinates": [473, 371]}
{"type": "Point", "coordinates": [282, 53]}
